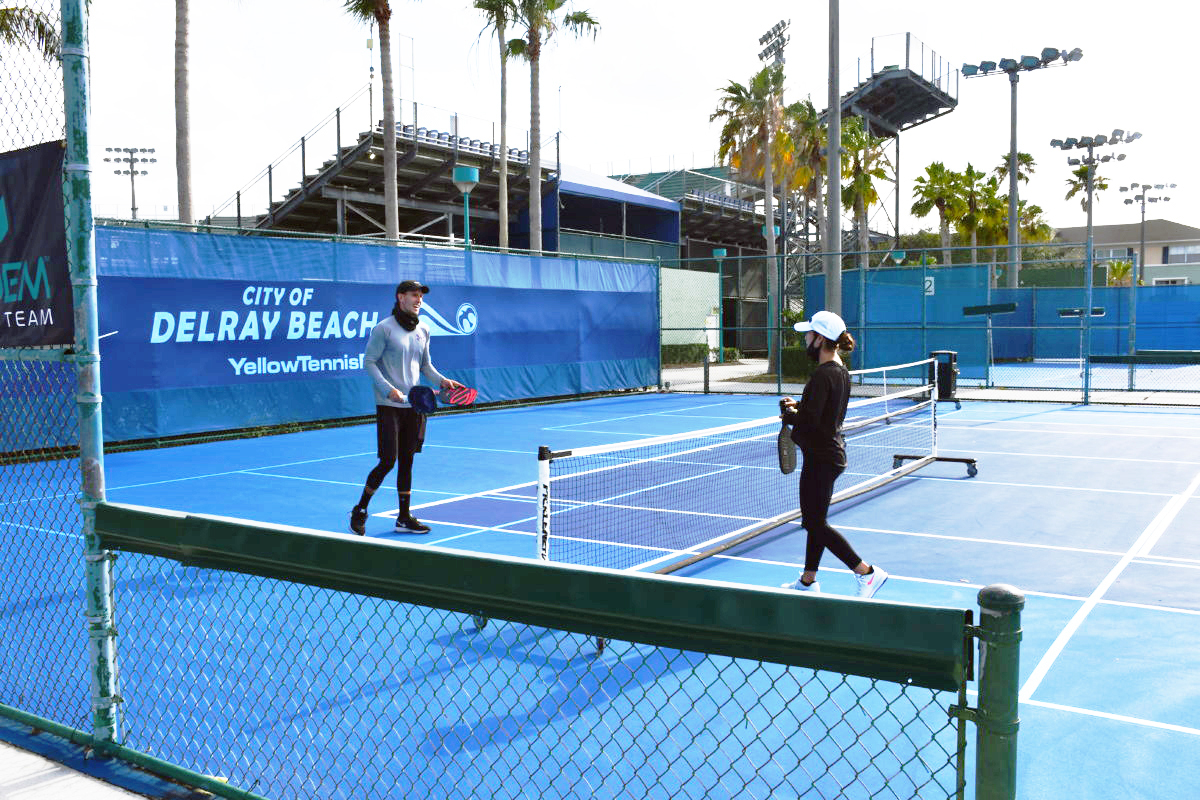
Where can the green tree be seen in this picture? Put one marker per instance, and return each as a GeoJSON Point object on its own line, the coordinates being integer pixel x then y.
{"type": "Point", "coordinates": [752, 118]}
{"type": "Point", "coordinates": [499, 14]}
{"type": "Point", "coordinates": [807, 138]}
{"type": "Point", "coordinates": [938, 189]}
{"type": "Point", "coordinates": [1120, 273]}
{"type": "Point", "coordinates": [973, 189]}
{"type": "Point", "coordinates": [541, 21]}
{"type": "Point", "coordinates": [23, 27]}
{"type": "Point", "coordinates": [1025, 167]}
{"type": "Point", "coordinates": [380, 11]}
{"type": "Point", "coordinates": [865, 163]}
{"type": "Point", "coordinates": [1077, 184]}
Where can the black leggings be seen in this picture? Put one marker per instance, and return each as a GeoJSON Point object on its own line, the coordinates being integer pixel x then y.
{"type": "Point", "coordinates": [816, 489]}
{"type": "Point", "coordinates": [400, 433]}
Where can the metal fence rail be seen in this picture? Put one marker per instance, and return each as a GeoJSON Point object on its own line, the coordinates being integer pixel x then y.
{"type": "Point", "coordinates": [296, 663]}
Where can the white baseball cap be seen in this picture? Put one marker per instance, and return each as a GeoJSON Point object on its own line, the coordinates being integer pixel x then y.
{"type": "Point", "coordinates": [826, 323]}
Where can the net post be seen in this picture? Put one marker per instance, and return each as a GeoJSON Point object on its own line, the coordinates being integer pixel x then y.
{"type": "Point", "coordinates": [997, 719]}
{"type": "Point", "coordinates": [543, 501]}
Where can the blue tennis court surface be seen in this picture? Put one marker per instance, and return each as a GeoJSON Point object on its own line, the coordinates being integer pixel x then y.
{"type": "Point", "coordinates": [1094, 512]}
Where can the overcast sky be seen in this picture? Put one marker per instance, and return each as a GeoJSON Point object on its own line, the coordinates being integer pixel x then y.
{"type": "Point", "coordinates": [638, 96]}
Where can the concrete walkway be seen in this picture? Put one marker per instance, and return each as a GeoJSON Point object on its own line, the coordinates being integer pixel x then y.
{"type": "Point", "coordinates": [27, 776]}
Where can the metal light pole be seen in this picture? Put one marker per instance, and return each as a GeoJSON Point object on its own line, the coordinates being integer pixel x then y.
{"type": "Point", "coordinates": [775, 41]}
{"type": "Point", "coordinates": [833, 170]}
{"type": "Point", "coordinates": [1013, 68]}
{"type": "Point", "coordinates": [1143, 198]}
{"type": "Point", "coordinates": [1090, 161]}
{"type": "Point", "coordinates": [132, 159]}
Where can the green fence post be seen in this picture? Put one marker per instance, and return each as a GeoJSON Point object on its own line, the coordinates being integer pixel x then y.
{"type": "Point", "coordinates": [997, 720]}
{"type": "Point", "coordinates": [81, 251]}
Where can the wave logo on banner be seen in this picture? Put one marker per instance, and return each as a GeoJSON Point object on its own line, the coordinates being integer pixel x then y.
{"type": "Point", "coordinates": [466, 320]}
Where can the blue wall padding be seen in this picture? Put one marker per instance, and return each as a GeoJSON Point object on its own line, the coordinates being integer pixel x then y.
{"type": "Point", "coordinates": [206, 332]}
{"type": "Point", "coordinates": [906, 323]}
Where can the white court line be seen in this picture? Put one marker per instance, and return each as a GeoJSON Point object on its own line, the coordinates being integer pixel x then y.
{"type": "Point", "coordinates": [236, 471]}
{"type": "Point", "coordinates": [1146, 723]}
{"type": "Point", "coordinates": [1151, 563]}
{"type": "Point", "coordinates": [977, 482]}
{"type": "Point", "coordinates": [1100, 431]}
{"type": "Point", "coordinates": [574, 426]}
{"type": "Point", "coordinates": [944, 450]}
{"type": "Point", "coordinates": [1005, 542]}
{"type": "Point", "coordinates": [1147, 540]}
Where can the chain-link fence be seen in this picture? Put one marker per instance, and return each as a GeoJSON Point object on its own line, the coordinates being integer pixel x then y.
{"type": "Point", "coordinates": [1132, 344]}
{"type": "Point", "coordinates": [42, 565]}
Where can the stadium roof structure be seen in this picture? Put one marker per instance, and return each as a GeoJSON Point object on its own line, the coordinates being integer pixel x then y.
{"type": "Point", "coordinates": [713, 206]}
{"type": "Point", "coordinates": [896, 99]}
{"type": "Point", "coordinates": [345, 195]}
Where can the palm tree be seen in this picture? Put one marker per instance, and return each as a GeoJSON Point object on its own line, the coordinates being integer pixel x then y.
{"type": "Point", "coordinates": [23, 27]}
{"type": "Point", "coordinates": [183, 144]}
{"type": "Point", "coordinates": [380, 11]}
{"type": "Point", "coordinates": [1078, 184]}
{"type": "Point", "coordinates": [972, 187]}
{"type": "Point", "coordinates": [1120, 273]}
{"type": "Point", "coordinates": [499, 13]}
{"type": "Point", "coordinates": [938, 188]}
{"type": "Point", "coordinates": [541, 23]}
{"type": "Point", "coordinates": [1034, 228]}
{"type": "Point", "coordinates": [1025, 167]}
{"type": "Point", "coordinates": [865, 164]}
{"type": "Point", "coordinates": [752, 121]}
{"type": "Point", "coordinates": [806, 135]}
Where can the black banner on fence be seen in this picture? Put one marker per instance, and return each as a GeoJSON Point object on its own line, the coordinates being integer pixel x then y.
{"type": "Point", "coordinates": [35, 281]}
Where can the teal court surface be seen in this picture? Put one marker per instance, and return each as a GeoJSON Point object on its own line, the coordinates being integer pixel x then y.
{"type": "Point", "coordinates": [1093, 512]}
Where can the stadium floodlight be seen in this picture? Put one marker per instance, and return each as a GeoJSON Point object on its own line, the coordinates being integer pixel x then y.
{"type": "Point", "coordinates": [1133, 137]}
{"type": "Point", "coordinates": [1089, 171]}
{"type": "Point", "coordinates": [1056, 143]}
{"type": "Point", "coordinates": [133, 160]}
{"type": "Point", "coordinates": [1070, 142]}
{"type": "Point", "coordinates": [1142, 199]}
{"type": "Point", "coordinates": [1013, 68]}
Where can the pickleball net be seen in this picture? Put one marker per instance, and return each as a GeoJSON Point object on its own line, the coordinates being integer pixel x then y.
{"type": "Point", "coordinates": [665, 502]}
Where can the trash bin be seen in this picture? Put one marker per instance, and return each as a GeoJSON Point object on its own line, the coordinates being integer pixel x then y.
{"type": "Point", "coordinates": [946, 377]}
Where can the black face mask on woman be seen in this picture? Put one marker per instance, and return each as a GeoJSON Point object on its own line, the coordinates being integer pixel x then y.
{"type": "Point", "coordinates": [813, 350]}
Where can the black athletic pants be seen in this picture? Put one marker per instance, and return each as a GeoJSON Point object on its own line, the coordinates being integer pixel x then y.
{"type": "Point", "coordinates": [816, 490]}
{"type": "Point", "coordinates": [400, 433]}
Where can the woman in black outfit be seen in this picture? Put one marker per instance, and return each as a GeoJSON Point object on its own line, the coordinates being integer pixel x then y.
{"type": "Point", "coordinates": [817, 431]}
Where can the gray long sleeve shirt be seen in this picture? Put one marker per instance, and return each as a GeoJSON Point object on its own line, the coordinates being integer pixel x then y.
{"type": "Point", "coordinates": [396, 359]}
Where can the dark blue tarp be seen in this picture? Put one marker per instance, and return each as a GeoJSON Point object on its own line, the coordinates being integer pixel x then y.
{"type": "Point", "coordinates": [208, 332]}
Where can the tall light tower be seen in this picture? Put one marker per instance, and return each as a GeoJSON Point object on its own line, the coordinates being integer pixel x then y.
{"type": "Point", "coordinates": [775, 41]}
{"type": "Point", "coordinates": [132, 159]}
{"type": "Point", "coordinates": [1091, 143]}
{"type": "Point", "coordinates": [1013, 68]}
{"type": "Point", "coordinates": [1143, 198]}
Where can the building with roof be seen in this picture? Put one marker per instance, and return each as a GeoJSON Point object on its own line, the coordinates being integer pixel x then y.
{"type": "Point", "coordinates": [1172, 249]}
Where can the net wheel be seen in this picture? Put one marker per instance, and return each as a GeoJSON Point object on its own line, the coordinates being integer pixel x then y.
{"type": "Point", "coordinates": [480, 621]}
{"type": "Point", "coordinates": [972, 471]}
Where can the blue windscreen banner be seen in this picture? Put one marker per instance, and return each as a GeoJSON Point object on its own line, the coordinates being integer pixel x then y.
{"type": "Point", "coordinates": [184, 354]}
{"type": "Point", "coordinates": [35, 280]}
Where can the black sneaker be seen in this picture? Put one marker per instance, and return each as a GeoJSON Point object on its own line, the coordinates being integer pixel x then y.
{"type": "Point", "coordinates": [410, 524]}
{"type": "Point", "coordinates": [358, 521]}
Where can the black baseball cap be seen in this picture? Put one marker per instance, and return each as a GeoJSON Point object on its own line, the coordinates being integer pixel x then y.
{"type": "Point", "coordinates": [412, 286]}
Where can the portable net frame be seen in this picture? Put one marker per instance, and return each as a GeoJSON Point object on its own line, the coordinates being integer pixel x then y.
{"type": "Point", "coordinates": [666, 502]}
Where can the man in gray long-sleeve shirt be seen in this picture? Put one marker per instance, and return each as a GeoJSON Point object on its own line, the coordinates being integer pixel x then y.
{"type": "Point", "coordinates": [396, 357]}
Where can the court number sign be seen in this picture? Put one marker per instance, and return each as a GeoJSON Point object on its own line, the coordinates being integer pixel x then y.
{"type": "Point", "coordinates": [929, 286]}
